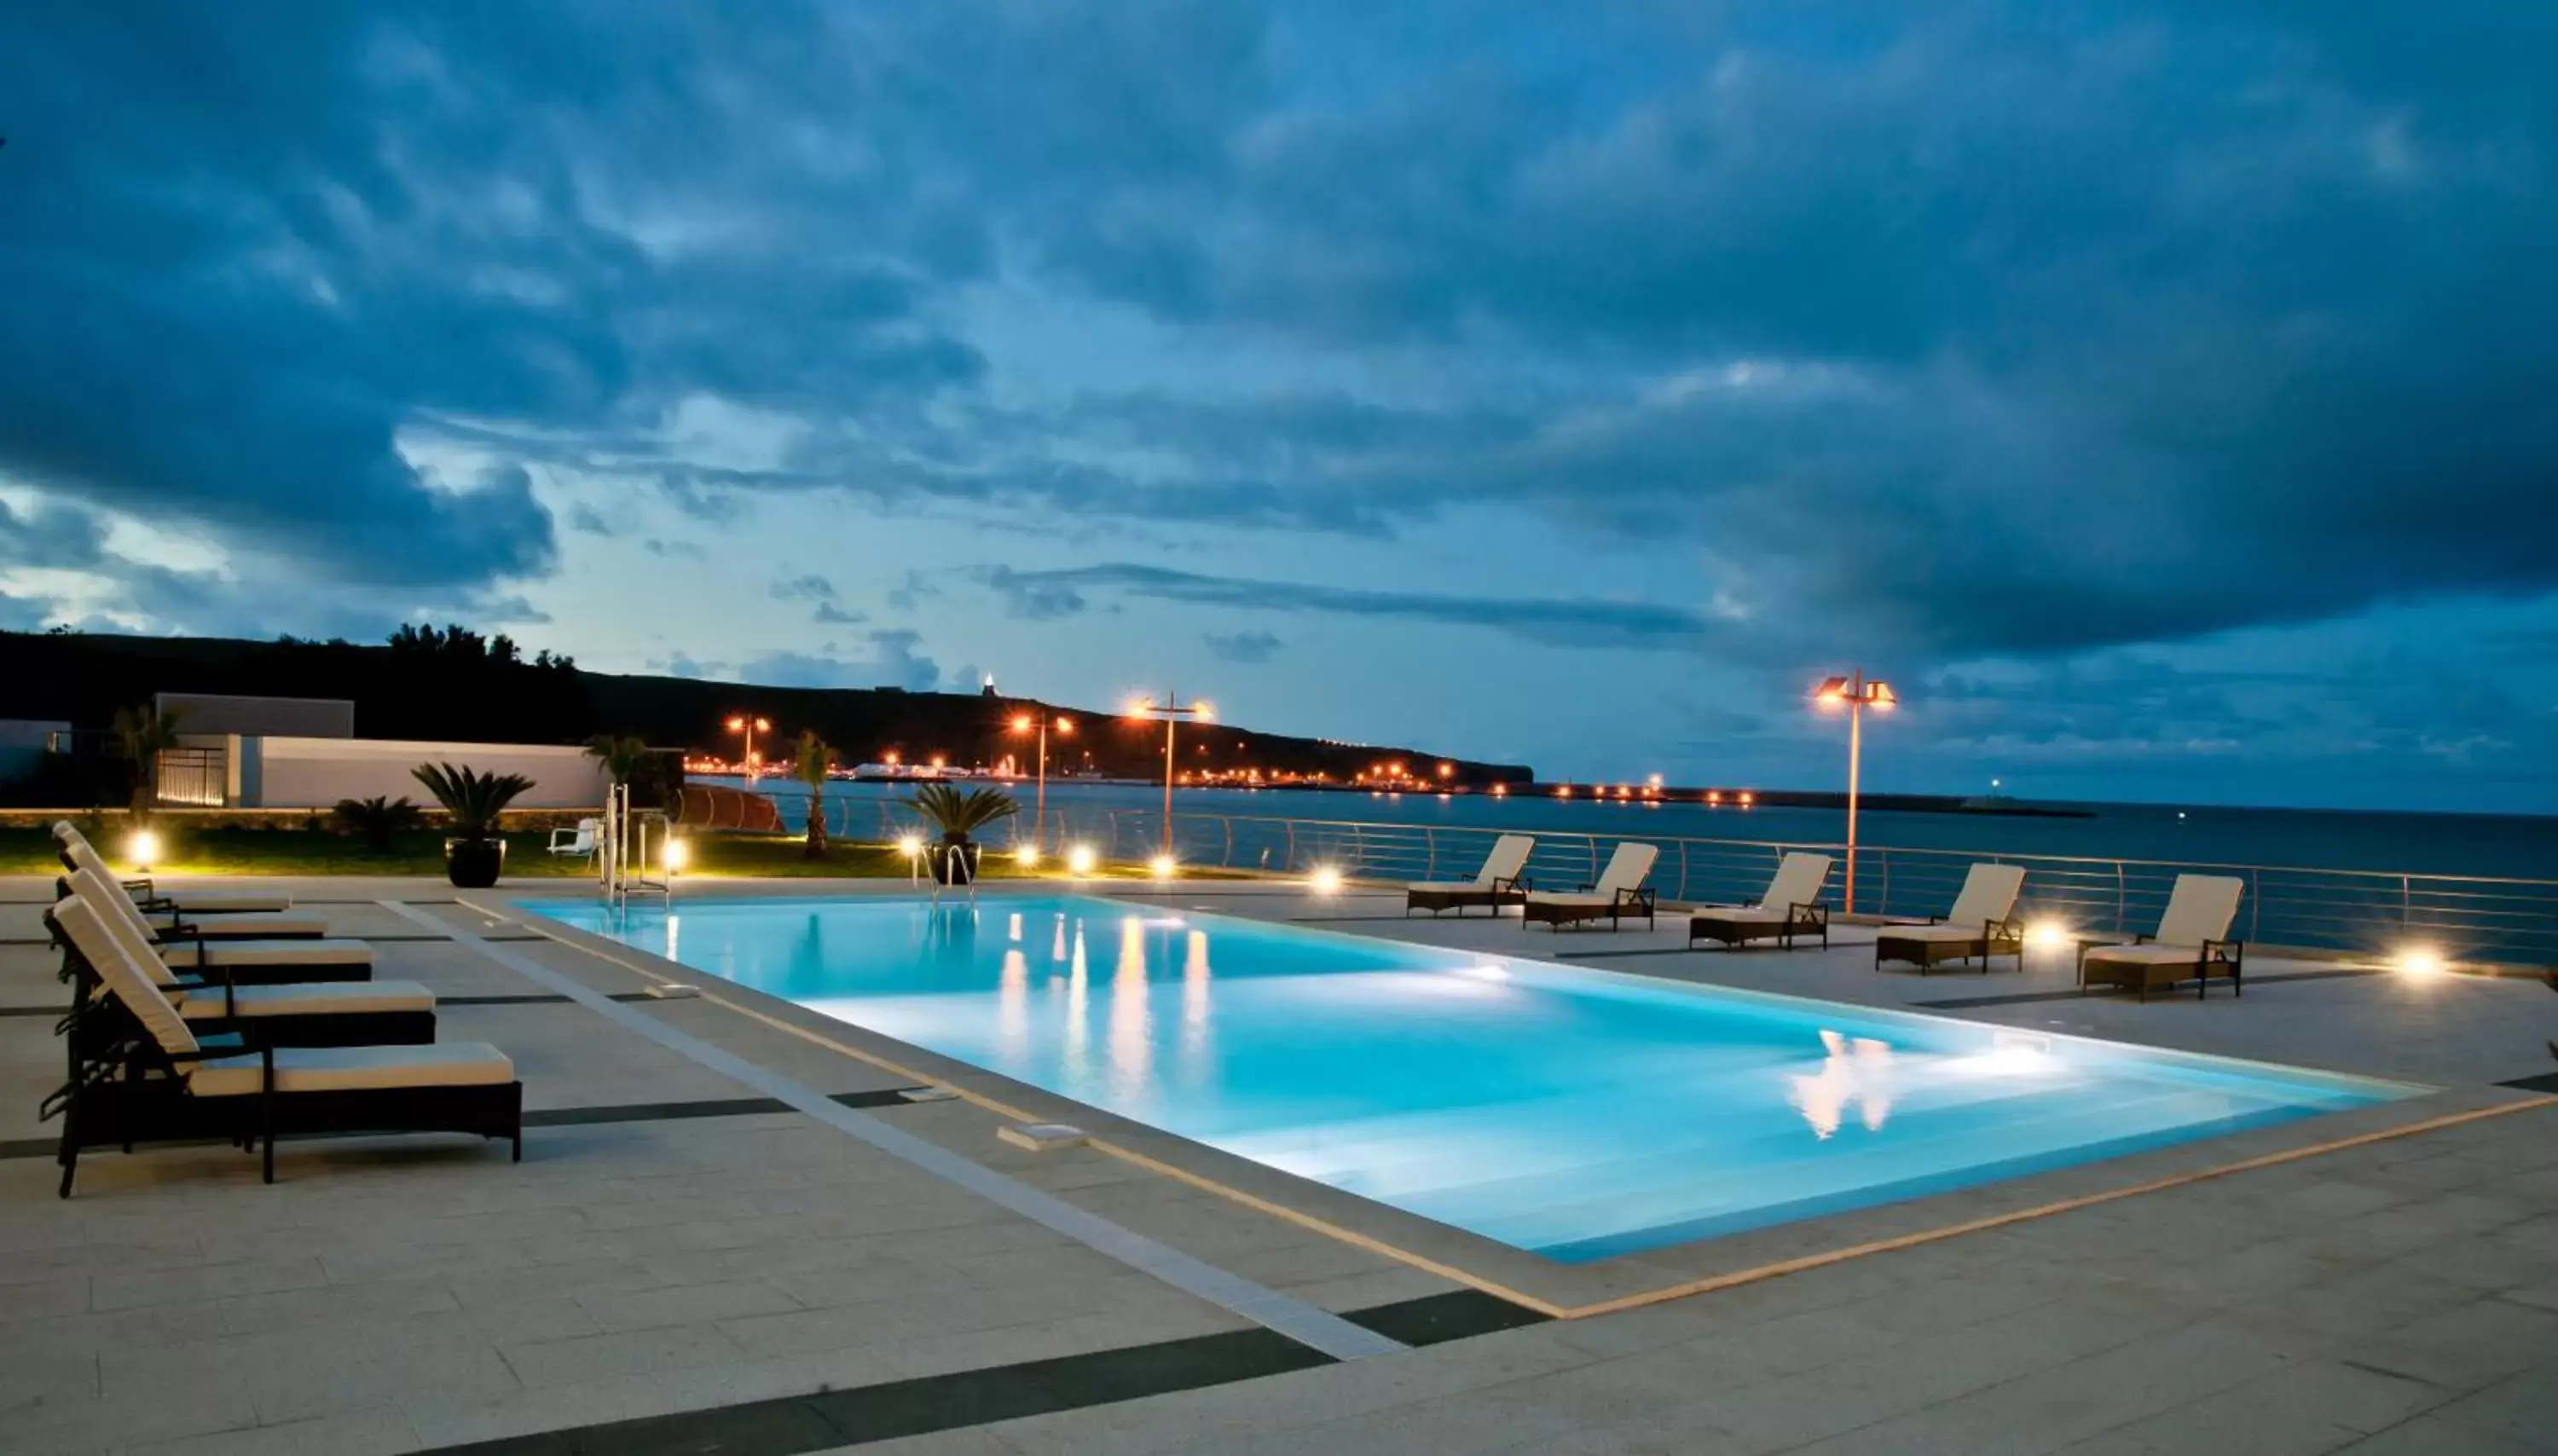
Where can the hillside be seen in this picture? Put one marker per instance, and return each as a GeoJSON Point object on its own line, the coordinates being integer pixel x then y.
{"type": "Point", "coordinates": [460, 685]}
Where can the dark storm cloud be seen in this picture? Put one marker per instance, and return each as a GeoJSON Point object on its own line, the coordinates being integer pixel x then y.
{"type": "Point", "coordinates": [1245, 646]}
{"type": "Point", "coordinates": [1992, 328]}
{"type": "Point", "coordinates": [1555, 621]}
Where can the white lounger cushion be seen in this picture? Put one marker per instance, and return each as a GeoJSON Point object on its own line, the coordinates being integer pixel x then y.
{"type": "Point", "coordinates": [245, 925]}
{"type": "Point", "coordinates": [1741, 914]}
{"type": "Point", "coordinates": [1628, 868]}
{"type": "Point", "coordinates": [1507, 857]}
{"type": "Point", "coordinates": [123, 973]}
{"type": "Point", "coordinates": [1573, 898]}
{"type": "Point", "coordinates": [224, 902]}
{"type": "Point", "coordinates": [1797, 881]}
{"type": "Point", "coordinates": [327, 997]}
{"type": "Point", "coordinates": [1989, 894]}
{"type": "Point", "coordinates": [356, 1068]}
{"type": "Point", "coordinates": [269, 953]}
{"type": "Point", "coordinates": [2199, 909]}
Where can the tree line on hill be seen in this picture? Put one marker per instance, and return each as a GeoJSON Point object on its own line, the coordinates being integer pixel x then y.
{"type": "Point", "coordinates": [454, 684]}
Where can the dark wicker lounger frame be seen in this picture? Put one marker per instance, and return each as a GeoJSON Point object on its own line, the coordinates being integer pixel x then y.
{"type": "Point", "coordinates": [135, 1096]}
{"type": "Point", "coordinates": [99, 1020]}
{"type": "Point", "coordinates": [1997, 938]}
{"type": "Point", "coordinates": [1808, 918]}
{"type": "Point", "coordinates": [1623, 905]}
{"type": "Point", "coordinates": [1499, 893]}
{"type": "Point", "coordinates": [2213, 960]}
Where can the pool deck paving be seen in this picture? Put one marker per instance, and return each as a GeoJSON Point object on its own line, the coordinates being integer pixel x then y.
{"type": "Point", "coordinates": [691, 1259]}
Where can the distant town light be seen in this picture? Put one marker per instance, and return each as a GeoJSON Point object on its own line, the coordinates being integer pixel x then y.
{"type": "Point", "coordinates": [1021, 723]}
{"type": "Point", "coordinates": [1447, 770]}
{"type": "Point", "coordinates": [1500, 791]}
{"type": "Point", "coordinates": [143, 848]}
{"type": "Point", "coordinates": [1714, 796]}
{"type": "Point", "coordinates": [1080, 859]}
{"type": "Point", "coordinates": [1748, 798]}
{"type": "Point", "coordinates": [1326, 880]}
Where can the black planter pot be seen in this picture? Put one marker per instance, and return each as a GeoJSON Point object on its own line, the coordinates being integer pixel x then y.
{"type": "Point", "coordinates": [473, 864]}
{"type": "Point", "coordinates": [954, 861]}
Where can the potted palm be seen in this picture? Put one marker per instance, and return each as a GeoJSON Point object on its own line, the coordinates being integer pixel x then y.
{"type": "Point", "coordinates": [810, 765]}
{"type": "Point", "coordinates": [958, 813]}
{"type": "Point", "coordinates": [475, 855]}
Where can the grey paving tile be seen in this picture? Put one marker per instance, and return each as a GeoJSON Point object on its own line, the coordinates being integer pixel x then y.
{"type": "Point", "coordinates": [585, 1358]}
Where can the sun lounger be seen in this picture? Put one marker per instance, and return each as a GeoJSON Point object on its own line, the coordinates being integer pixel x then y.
{"type": "Point", "coordinates": [327, 1013]}
{"type": "Point", "coordinates": [1793, 906]}
{"type": "Point", "coordinates": [1981, 924]}
{"type": "Point", "coordinates": [79, 854]}
{"type": "Point", "coordinates": [168, 1084]}
{"type": "Point", "coordinates": [244, 962]}
{"type": "Point", "coordinates": [2191, 944]}
{"type": "Point", "coordinates": [1619, 892]}
{"type": "Point", "coordinates": [1501, 882]}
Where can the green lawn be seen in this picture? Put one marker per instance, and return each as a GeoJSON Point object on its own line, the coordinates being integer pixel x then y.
{"type": "Point", "coordinates": [321, 852]}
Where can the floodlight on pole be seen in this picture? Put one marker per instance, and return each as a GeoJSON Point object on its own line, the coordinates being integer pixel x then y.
{"type": "Point", "coordinates": [1172, 711]}
{"type": "Point", "coordinates": [1855, 693]}
{"type": "Point", "coordinates": [1024, 722]}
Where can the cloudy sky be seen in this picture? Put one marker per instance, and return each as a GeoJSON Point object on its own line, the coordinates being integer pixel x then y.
{"type": "Point", "coordinates": [2160, 393]}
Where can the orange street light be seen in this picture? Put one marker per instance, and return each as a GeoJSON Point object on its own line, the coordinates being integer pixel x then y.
{"type": "Point", "coordinates": [1855, 693]}
{"type": "Point", "coordinates": [1024, 722]}
{"type": "Point", "coordinates": [750, 726]}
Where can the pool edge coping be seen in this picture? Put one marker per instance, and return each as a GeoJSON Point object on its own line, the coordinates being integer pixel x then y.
{"type": "Point", "coordinates": [1621, 1281]}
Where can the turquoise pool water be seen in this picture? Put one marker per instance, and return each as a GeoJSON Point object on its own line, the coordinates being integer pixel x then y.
{"type": "Point", "coordinates": [1574, 1112]}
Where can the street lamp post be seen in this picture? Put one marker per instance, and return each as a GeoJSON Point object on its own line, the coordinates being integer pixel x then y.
{"type": "Point", "coordinates": [1172, 711]}
{"type": "Point", "coordinates": [750, 726]}
{"type": "Point", "coordinates": [1855, 693]}
{"type": "Point", "coordinates": [1025, 722]}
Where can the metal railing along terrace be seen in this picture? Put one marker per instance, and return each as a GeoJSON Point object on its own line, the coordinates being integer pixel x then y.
{"type": "Point", "coordinates": [2368, 912]}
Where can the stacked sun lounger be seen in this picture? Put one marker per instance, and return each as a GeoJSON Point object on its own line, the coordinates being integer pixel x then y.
{"type": "Point", "coordinates": [171, 1037]}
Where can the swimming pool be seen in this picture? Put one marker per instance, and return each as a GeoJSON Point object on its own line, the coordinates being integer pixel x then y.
{"type": "Point", "coordinates": [1576, 1114]}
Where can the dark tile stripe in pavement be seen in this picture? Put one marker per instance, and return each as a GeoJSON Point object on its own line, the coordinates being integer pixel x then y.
{"type": "Point", "coordinates": [645, 1112]}
{"type": "Point", "coordinates": [2017, 999]}
{"type": "Point", "coordinates": [789, 1424]}
{"type": "Point", "coordinates": [911, 1408]}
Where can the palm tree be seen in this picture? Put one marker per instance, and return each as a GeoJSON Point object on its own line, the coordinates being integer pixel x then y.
{"type": "Point", "coordinates": [142, 736]}
{"type": "Point", "coordinates": [621, 754]}
{"type": "Point", "coordinates": [811, 769]}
